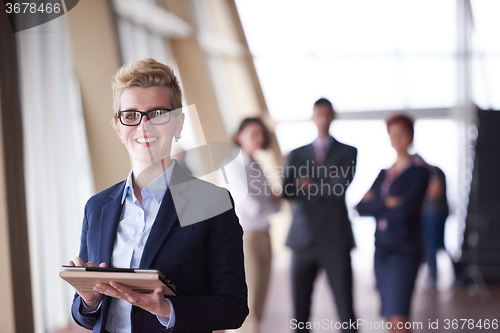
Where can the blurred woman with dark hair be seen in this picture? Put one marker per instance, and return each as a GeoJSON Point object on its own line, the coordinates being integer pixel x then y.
{"type": "Point", "coordinates": [253, 213]}
{"type": "Point", "coordinates": [395, 200]}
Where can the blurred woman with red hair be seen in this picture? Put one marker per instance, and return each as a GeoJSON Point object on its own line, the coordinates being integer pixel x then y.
{"type": "Point", "coordinates": [395, 200]}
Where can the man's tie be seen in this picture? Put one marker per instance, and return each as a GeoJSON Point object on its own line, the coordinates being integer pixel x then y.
{"type": "Point", "coordinates": [319, 152]}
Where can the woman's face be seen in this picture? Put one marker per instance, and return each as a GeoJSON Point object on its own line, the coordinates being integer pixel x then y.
{"type": "Point", "coordinates": [147, 143]}
{"type": "Point", "coordinates": [251, 138]}
{"type": "Point", "coordinates": [400, 137]}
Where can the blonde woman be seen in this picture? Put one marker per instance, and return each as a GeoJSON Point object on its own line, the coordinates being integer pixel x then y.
{"type": "Point", "coordinates": [142, 223]}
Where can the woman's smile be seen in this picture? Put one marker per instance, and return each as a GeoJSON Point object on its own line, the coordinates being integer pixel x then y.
{"type": "Point", "coordinates": [146, 139]}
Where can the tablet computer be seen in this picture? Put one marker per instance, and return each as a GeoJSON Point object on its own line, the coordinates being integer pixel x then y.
{"type": "Point", "coordinates": [140, 280]}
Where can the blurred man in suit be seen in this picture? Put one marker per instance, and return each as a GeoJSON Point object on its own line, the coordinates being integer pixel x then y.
{"type": "Point", "coordinates": [316, 179]}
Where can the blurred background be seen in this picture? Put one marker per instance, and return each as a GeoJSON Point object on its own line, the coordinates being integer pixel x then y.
{"type": "Point", "coordinates": [436, 60]}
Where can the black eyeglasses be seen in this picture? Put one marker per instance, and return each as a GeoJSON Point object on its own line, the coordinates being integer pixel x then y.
{"type": "Point", "coordinates": [134, 118]}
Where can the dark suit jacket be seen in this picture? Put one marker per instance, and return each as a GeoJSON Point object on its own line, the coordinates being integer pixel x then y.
{"type": "Point", "coordinates": [319, 211]}
{"type": "Point", "coordinates": [204, 260]}
{"type": "Point", "coordinates": [404, 220]}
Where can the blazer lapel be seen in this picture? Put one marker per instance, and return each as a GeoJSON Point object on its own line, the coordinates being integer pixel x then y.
{"type": "Point", "coordinates": [110, 217]}
{"type": "Point", "coordinates": [310, 154]}
{"type": "Point", "coordinates": [166, 217]}
{"type": "Point", "coordinates": [165, 220]}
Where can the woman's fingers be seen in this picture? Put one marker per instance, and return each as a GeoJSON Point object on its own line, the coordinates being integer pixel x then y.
{"type": "Point", "coordinates": [127, 294]}
{"type": "Point", "coordinates": [91, 299]}
{"type": "Point", "coordinates": [118, 291]}
{"type": "Point", "coordinates": [78, 261]}
{"type": "Point", "coordinates": [158, 291]}
{"type": "Point", "coordinates": [104, 289]}
{"type": "Point", "coordinates": [90, 264]}
{"type": "Point", "coordinates": [153, 302]}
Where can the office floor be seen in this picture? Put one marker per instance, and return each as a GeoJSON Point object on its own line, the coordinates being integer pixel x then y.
{"type": "Point", "coordinates": [445, 302]}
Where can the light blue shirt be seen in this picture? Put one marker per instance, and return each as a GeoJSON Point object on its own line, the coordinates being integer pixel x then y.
{"type": "Point", "coordinates": [133, 231]}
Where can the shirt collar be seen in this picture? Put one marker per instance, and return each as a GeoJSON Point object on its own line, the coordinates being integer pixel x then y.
{"type": "Point", "coordinates": [246, 158]}
{"type": "Point", "coordinates": [323, 143]}
{"type": "Point", "coordinates": [158, 186]}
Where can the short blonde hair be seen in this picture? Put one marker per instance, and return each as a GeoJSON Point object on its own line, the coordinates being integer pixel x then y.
{"type": "Point", "coordinates": [146, 73]}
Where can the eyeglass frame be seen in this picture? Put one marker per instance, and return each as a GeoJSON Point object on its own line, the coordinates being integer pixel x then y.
{"type": "Point", "coordinates": [145, 114]}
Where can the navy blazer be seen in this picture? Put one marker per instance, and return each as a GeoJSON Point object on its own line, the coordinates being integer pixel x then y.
{"type": "Point", "coordinates": [320, 219]}
{"type": "Point", "coordinates": [404, 220]}
{"type": "Point", "coordinates": [204, 260]}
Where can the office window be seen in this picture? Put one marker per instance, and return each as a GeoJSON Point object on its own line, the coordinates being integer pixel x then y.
{"type": "Point", "coordinates": [57, 165]}
{"type": "Point", "coordinates": [364, 55]}
{"type": "Point", "coordinates": [486, 59]}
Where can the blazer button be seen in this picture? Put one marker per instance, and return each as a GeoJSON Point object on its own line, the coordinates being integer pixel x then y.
{"type": "Point", "coordinates": [139, 316]}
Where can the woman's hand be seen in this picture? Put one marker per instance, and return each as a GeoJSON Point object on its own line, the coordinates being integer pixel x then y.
{"type": "Point", "coordinates": [154, 302]}
{"type": "Point", "coordinates": [435, 189]}
{"type": "Point", "coordinates": [91, 299]}
{"type": "Point", "coordinates": [304, 181]}
{"type": "Point", "coordinates": [369, 196]}
{"type": "Point", "coordinates": [393, 201]}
